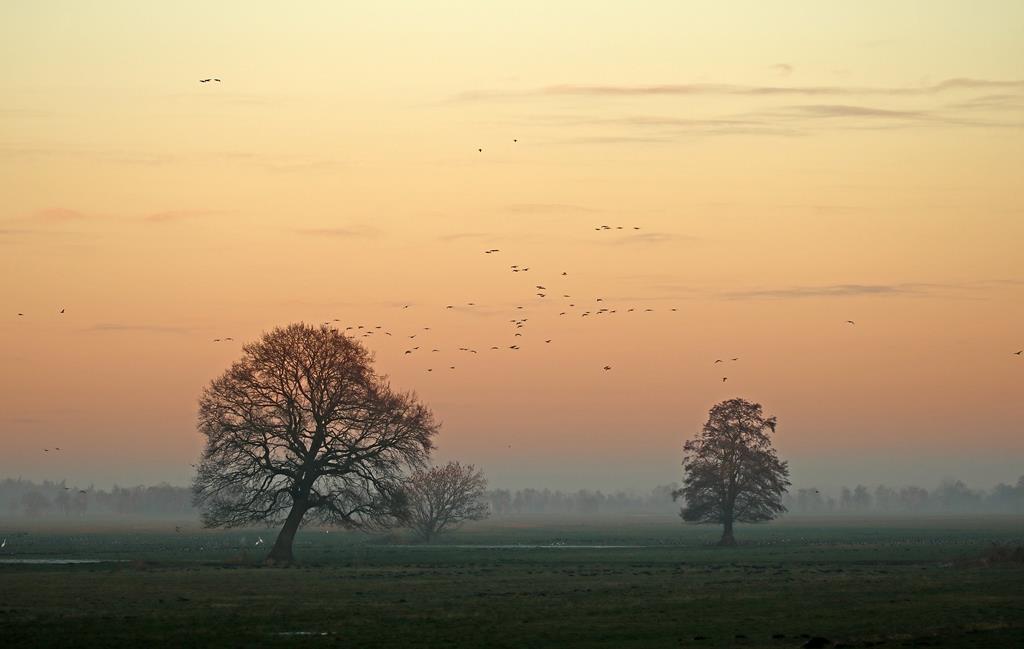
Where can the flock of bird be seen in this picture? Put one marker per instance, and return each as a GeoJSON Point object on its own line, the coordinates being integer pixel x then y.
{"type": "Point", "coordinates": [541, 292]}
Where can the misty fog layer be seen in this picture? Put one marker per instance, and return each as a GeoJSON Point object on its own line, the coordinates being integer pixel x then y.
{"type": "Point", "coordinates": [59, 501]}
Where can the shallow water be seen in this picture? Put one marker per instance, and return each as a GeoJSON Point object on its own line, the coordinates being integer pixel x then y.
{"type": "Point", "coordinates": [527, 547]}
{"type": "Point", "coordinates": [58, 562]}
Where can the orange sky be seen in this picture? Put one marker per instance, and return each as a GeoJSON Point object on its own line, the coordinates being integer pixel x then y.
{"type": "Point", "coordinates": [790, 168]}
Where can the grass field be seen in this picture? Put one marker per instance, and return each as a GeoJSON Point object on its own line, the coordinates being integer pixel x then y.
{"type": "Point", "coordinates": [526, 582]}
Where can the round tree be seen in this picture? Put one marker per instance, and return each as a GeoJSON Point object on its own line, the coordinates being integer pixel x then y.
{"type": "Point", "coordinates": [731, 471]}
{"type": "Point", "coordinates": [444, 497]}
{"type": "Point", "coordinates": [301, 428]}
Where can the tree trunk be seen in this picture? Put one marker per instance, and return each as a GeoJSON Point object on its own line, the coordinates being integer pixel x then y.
{"type": "Point", "coordinates": [281, 553]}
{"type": "Point", "coordinates": [727, 537]}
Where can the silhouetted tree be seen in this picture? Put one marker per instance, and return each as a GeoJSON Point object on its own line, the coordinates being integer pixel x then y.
{"type": "Point", "coordinates": [885, 498]}
{"type": "Point", "coordinates": [301, 425]}
{"type": "Point", "coordinates": [444, 497]}
{"type": "Point", "coordinates": [35, 503]}
{"type": "Point", "coordinates": [913, 498]}
{"type": "Point", "coordinates": [846, 499]}
{"type": "Point", "coordinates": [501, 501]}
{"type": "Point", "coordinates": [731, 471]}
{"type": "Point", "coordinates": [861, 498]}
{"type": "Point", "coordinates": [810, 501]}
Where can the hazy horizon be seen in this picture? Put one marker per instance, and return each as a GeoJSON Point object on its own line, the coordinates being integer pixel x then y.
{"type": "Point", "coordinates": [642, 474]}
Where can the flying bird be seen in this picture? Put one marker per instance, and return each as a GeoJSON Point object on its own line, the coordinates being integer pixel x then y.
{"type": "Point", "coordinates": [851, 322]}
{"type": "Point", "coordinates": [1018, 353]}
{"type": "Point", "coordinates": [61, 311]}
{"type": "Point", "coordinates": [724, 379]}
{"type": "Point", "coordinates": [719, 360]}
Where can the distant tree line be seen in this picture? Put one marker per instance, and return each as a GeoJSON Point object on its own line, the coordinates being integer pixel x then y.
{"type": "Point", "coordinates": [950, 497]}
{"type": "Point", "coordinates": [504, 502]}
{"type": "Point", "coordinates": [59, 500]}
{"type": "Point", "coordinates": [54, 500]}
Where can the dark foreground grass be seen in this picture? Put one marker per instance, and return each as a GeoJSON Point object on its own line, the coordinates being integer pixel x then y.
{"type": "Point", "coordinates": [866, 583]}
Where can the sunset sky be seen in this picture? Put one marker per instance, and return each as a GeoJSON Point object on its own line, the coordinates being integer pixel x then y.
{"type": "Point", "coordinates": [791, 166]}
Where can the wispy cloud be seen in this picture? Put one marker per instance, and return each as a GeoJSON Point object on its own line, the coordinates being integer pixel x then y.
{"type": "Point", "coordinates": [843, 110]}
{"type": "Point", "coordinates": [168, 216]}
{"type": "Point", "coordinates": [783, 69]}
{"type": "Point", "coordinates": [650, 238]}
{"type": "Point", "coordinates": [736, 89]}
{"type": "Point", "coordinates": [946, 104]}
{"type": "Point", "coordinates": [836, 290]}
{"type": "Point", "coordinates": [1001, 101]}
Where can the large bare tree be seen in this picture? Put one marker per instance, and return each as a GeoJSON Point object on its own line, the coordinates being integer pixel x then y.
{"type": "Point", "coordinates": [731, 471]}
{"type": "Point", "coordinates": [301, 427]}
{"type": "Point", "coordinates": [444, 497]}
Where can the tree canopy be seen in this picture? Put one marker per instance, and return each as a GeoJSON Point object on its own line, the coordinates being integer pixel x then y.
{"type": "Point", "coordinates": [731, 471]}
{"type": "Point", "coordinates": [301, 427]}
{"type": "Point", "coordinates": [444, 497]}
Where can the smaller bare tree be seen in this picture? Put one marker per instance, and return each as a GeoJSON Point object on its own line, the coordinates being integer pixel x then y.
{"type": "Point", "coordinates": [443, 497]}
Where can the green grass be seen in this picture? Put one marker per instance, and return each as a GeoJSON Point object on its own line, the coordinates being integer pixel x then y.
{"type": "Point", "coordinates": [901, 583]}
